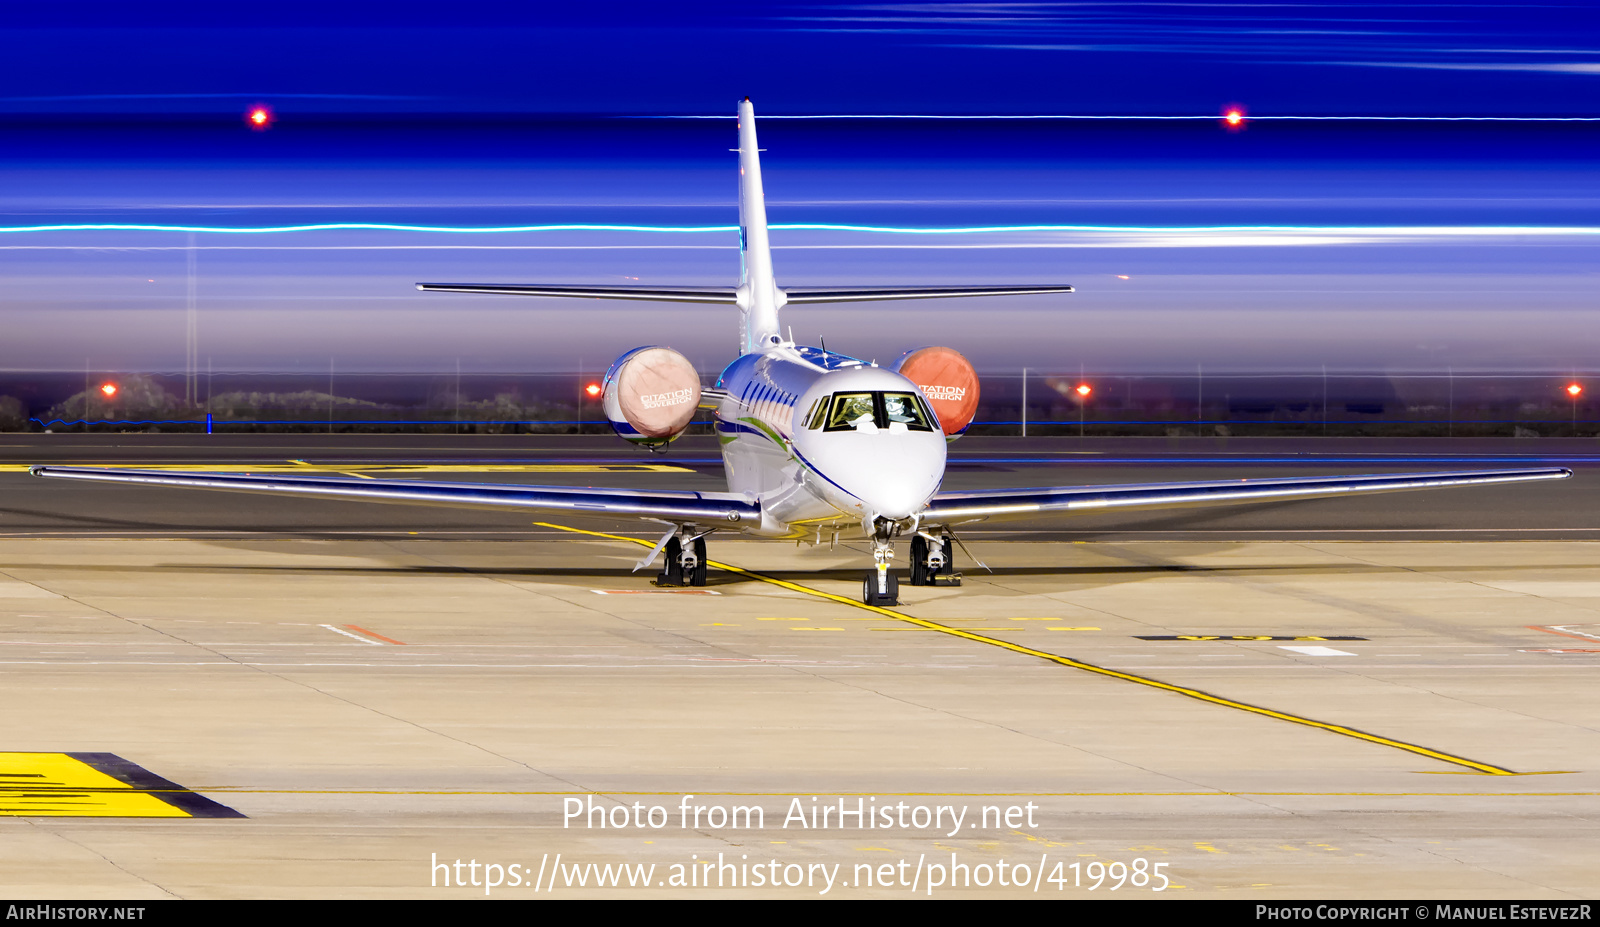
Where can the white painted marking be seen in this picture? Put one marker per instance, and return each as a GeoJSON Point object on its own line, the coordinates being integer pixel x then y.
{"type": "Point", "coordinates": [652, 592]}
{"type": "Point", "coordinates": [25, 591]}
{"type": "Point", "coordinates": [354, 637]}
{"type": "Point", "coordinates": [1549, 589]}
{"type": "Point", "coordinates": [1317, 651]}
{"type": "Point", "coordinates": [1573, 629]}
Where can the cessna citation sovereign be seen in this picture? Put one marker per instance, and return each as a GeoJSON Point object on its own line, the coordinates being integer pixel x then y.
{"type": "Point", "coordinates": [814, 443]}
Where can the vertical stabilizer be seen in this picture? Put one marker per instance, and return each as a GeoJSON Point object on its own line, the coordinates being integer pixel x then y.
{"type": "Point", "coordinates": [759, 296]}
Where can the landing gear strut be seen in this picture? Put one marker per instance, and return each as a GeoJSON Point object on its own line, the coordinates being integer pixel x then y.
{"type": "Point", "coordinates": [683, 566]}
{"type": "Point", "coordinates": [931, 561]}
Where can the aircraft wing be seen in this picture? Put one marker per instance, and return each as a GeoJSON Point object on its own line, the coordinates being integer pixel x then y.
{"type": "Point", "coordinates": [948, 508]}
{"type": "Point", "coordinates": [704, 508]}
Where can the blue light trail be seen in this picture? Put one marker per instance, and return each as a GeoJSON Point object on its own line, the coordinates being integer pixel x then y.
{"type": "Point", "coordinates": [815, 226]}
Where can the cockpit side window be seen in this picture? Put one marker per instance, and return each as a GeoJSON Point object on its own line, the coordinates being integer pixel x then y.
{"type": "Point", "coordinates": [852, 412]}
{"type": "Point", "coordinates": [819, 413]}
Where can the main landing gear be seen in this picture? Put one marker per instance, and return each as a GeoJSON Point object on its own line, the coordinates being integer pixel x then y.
{"type": "Point", "coordinates": [932, 562]}
{"type": "Point", "coordinates": [684, 565]}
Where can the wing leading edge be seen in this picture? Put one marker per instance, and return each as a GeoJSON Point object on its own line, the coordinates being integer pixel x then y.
{"type": "Point", "coordinates": [706, 508]}
{"type": "Point", "coordinates": [957, 507]}
{"type": "Point", "coordinates": [666, 505]}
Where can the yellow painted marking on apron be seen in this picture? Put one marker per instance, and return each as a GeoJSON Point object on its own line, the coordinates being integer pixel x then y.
{"type": "Point", "coordinates": [56, 785]}
{"type": "Point", "coordinates": [1484, 768]}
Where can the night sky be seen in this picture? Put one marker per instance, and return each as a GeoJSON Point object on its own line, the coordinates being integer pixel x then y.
{"type": "Point", "coordinates": [1368, 244]}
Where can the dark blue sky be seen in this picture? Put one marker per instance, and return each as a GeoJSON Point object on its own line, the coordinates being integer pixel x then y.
{"type": "Point", "coordinates": [655, 58]}
{"type": "Point", "coordinates": [1410, 245]}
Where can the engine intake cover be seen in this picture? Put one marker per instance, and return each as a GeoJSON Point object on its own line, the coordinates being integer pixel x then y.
{"type": "Point", "coordinates": [949, 382]}
{"type": "Point", "coordinates": [651, 395]}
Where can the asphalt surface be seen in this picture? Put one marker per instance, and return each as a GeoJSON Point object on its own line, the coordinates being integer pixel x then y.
{"type": "Point", "coordinates": [1342, 699]}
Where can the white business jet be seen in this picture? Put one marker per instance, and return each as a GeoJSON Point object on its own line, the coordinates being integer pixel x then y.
{"type": "Point", "coordinates": [815, 443]}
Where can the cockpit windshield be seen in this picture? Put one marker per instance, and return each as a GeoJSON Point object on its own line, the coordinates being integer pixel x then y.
{"type": "Point", "coordinates": [850, 412]}
{"type": "Point", "coordinates": [875, 411]}
{"type": "Point", "coordinates": [903, 407]}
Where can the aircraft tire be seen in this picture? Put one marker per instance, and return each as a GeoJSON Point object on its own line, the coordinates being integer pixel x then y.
{"type": "Point", "coordinates": [870, 594]}
{"type": "Point", "coordinates": [671, 570]}
{"type": "Point", "coordinates": [949, 561]}
{"type": "Point", "coordinates": [920, 574]}
{"type": "Point", "coordinates": [698, 576]}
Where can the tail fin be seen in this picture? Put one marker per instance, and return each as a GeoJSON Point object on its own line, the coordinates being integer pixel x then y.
{"type": "Point", "coordinates": [759, 296]}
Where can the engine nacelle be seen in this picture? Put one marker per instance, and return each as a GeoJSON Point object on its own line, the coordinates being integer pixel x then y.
{"type": "Point", "coordinates": [650, 395]}
{"type": "Point", "coordinates": [948, 381]}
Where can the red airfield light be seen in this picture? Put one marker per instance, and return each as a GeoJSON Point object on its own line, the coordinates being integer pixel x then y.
{"type": "Point", "coordinates": [108, 389]}
{"type": "Point", "coordinates": [259, 117]}
{"type": "Point", "coordinates": [1574, 390]}
{"type": "Point", "coordinates": [593, 389]}
{"type": "Point", "coordinates": [1083, 390]}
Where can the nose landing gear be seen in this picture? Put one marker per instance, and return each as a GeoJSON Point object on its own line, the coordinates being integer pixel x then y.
{"type": "Point", "coordinates": [881, 587]}
{"type": "Point", "coordinates": [931, 565]}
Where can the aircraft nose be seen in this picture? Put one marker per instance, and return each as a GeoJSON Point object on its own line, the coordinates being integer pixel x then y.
{"type": "Point", "coordinates": [898, 486]}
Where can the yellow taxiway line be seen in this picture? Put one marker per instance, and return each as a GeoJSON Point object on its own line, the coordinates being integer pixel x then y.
{"type": "Point", "coordinates": [1474, 765]}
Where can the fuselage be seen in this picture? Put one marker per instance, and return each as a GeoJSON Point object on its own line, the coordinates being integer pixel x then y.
{"type": "Point", "coordinates": [826, 442]}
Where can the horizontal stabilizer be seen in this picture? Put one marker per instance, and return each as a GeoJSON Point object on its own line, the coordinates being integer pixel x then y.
{"type": "Point", "coordinates": [727, 296]}
{"type": "Point", "coordinates": [804, 294]}
{"type": "Point", "coordinates": [675, 294]}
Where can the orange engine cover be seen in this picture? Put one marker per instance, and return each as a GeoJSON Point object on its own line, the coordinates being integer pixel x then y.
{"type": "Point", "coordinates": [949, 382]}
